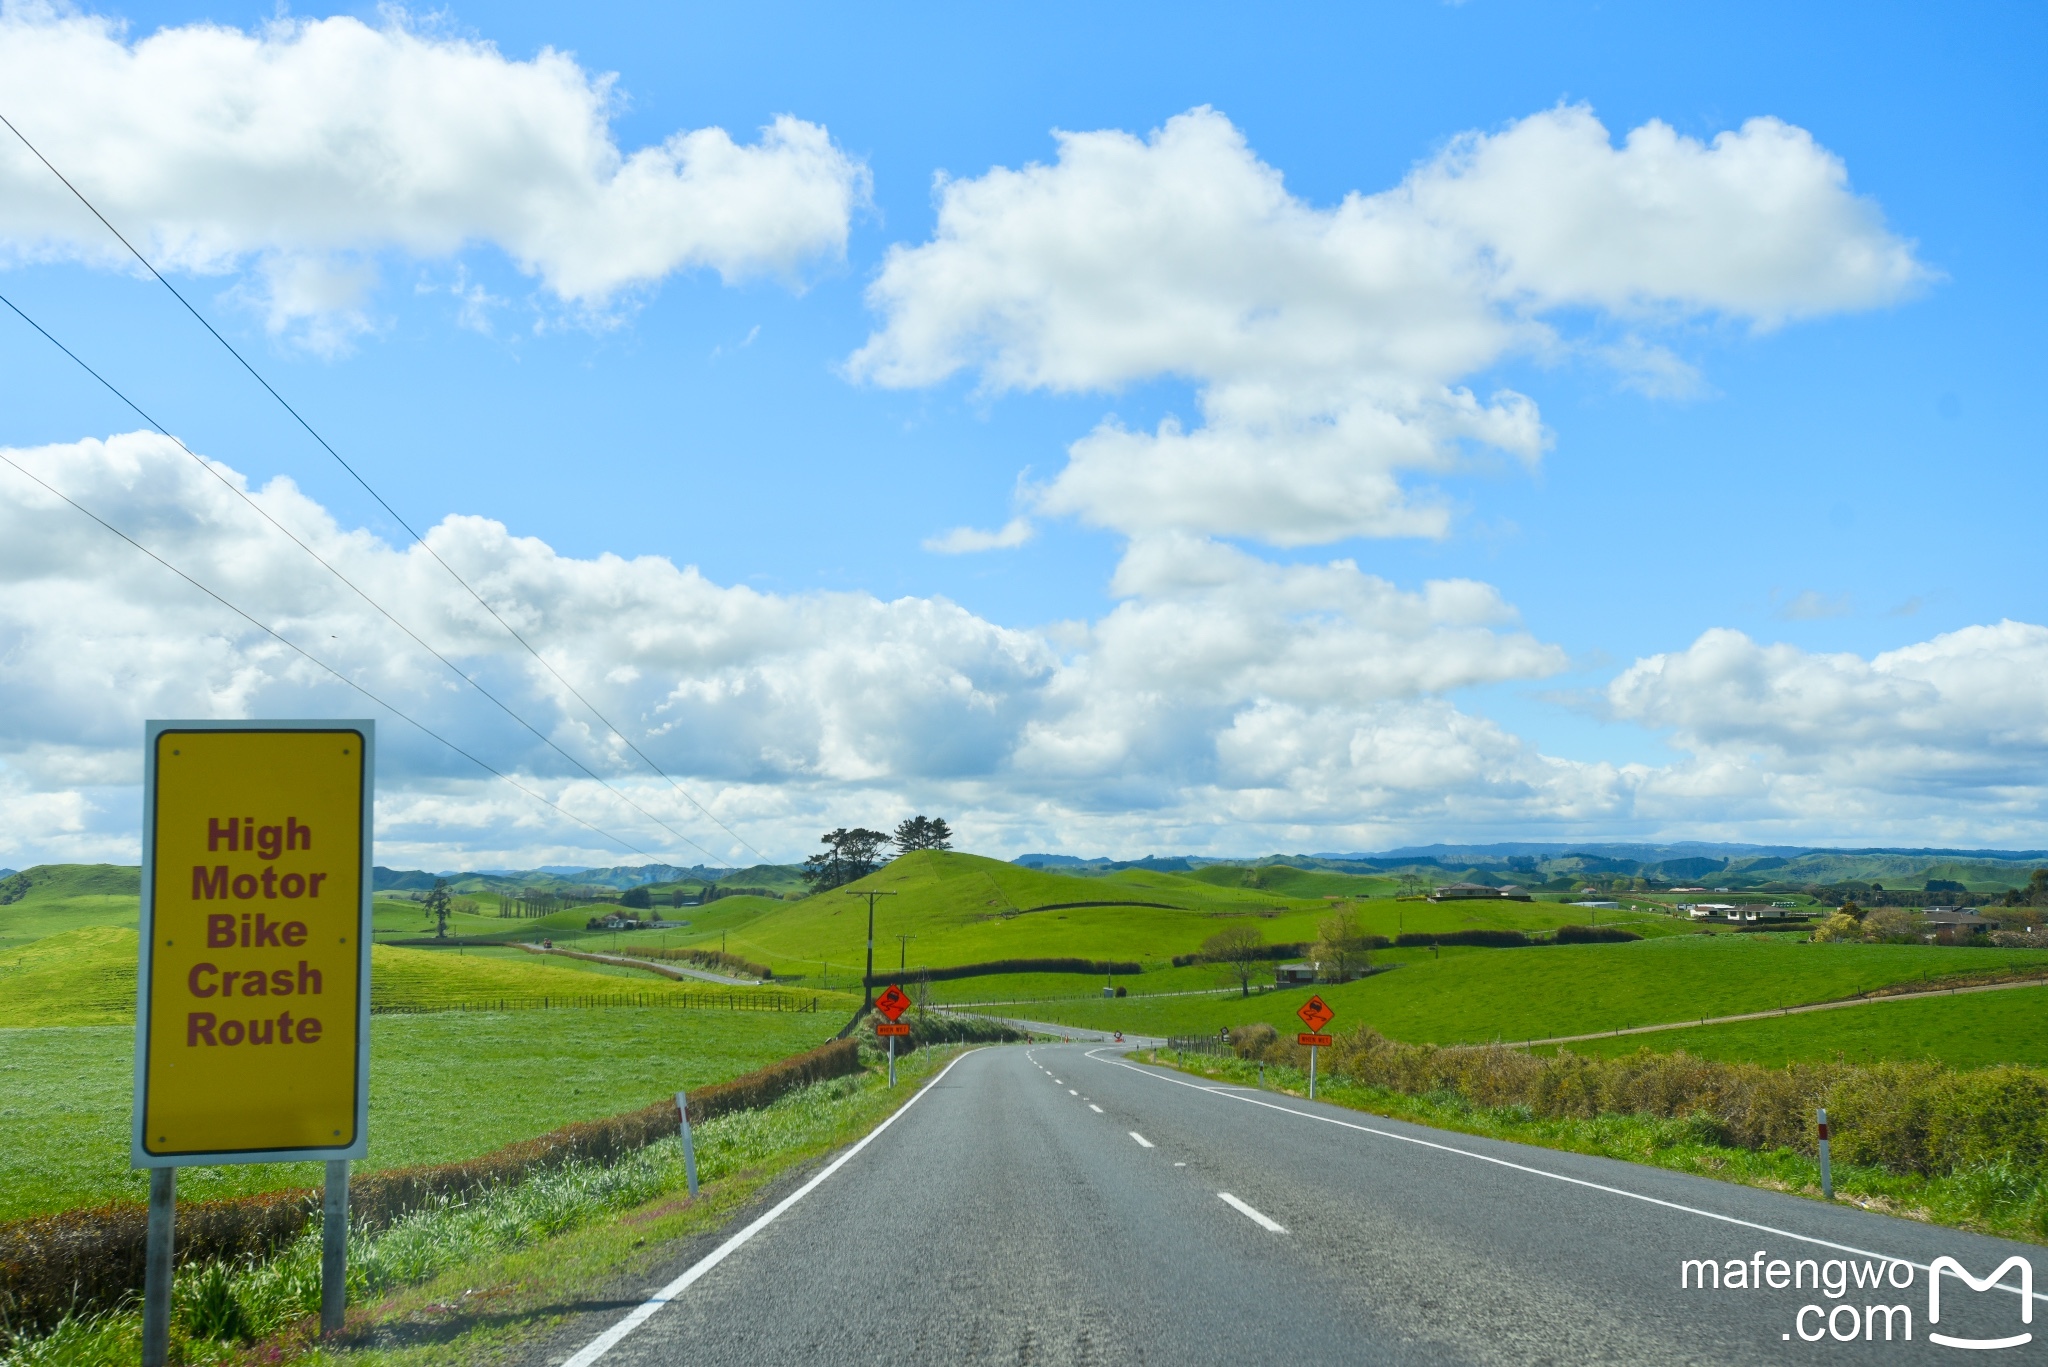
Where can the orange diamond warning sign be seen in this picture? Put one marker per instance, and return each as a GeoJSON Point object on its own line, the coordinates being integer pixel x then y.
{"type": "Point", "coordinates": [1315, 1013]}
{"type": "Point", "coordinates": [892, 1003]}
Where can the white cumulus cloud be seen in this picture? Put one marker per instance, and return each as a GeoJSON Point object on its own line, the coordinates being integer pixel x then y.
{"type": "Point", "coordinates": [1332, 349]}
{"type": "Point", "coordinates": [1943, 740]}
{"type": "Point", "coordinates": [782, 712]}
{"type": "Point", "coordinates": [304, 140]}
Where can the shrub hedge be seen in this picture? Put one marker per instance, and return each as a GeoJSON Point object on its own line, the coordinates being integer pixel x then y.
{"type": "Point", "coordinates": [1484, 939]}
{"type": "Point", "coordinates": [717, 960]}
{"type": "Point", "coordinates": [1906, 1117]}
{"type": "Point", "coordinates": [1592, 935]}
{"type": "Point", "coordinates": [92, 1259]}
{"type": "Point", "coordinates": [994, 966]}
{"type": "Point", "coordinates": [937, 1027]}
{"type": "Point", "coordinates": [1292, 950]}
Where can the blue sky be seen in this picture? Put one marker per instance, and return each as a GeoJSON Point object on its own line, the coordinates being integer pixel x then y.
{"type": "Point", "coordinates": [1827, 471]}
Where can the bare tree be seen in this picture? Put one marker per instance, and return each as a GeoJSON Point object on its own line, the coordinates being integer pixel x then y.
{"type": "Point", "coordinates": [1239, 948]}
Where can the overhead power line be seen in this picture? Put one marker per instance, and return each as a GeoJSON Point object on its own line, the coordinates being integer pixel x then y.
{"type": "Point", "coordinates": [272, 632]}
{"type": "Point", "coordinates": [381, 502]}
{"type": "Point", "coordinates": [353, 587]}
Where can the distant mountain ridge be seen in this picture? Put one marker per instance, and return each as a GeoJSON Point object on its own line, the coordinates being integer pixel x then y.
{"type": "Point", "coordinates": [1722, 864]}
{"type": "Point", "coordinates": [556, 877]}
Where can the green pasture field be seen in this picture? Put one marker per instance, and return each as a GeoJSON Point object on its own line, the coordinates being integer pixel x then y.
{"type": "Point", "coordinates": [1520, 994]}
{"type": "Point", "coordinates": [87, 977]}
{"type": "Point", "coordinates": [966, 909]}
{"type": "Point", "coordinates": [442, 1087]}
{"type": "Point", "coordinates": [1971, 1030]}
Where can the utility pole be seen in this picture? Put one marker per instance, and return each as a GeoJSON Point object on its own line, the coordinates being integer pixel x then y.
{"type": "Point", "coordinates": [867, 990]}
{"type": "Point", "coordinates": [903, 952]}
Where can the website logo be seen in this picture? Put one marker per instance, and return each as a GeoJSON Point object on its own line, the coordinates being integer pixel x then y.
{"type": "Point", "coordinates": [1855, 1293]}
{"type": "Point", "coordinates": [1949, 1264]}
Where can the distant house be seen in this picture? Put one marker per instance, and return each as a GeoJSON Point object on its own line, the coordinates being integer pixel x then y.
{"type": "Point", "coordinates": [1759, 912]}
{"type": "Point", "coordinates": [1959, 918]}
{"type": "Point", "coordinates": [1293, 975]}
{"type": "Point", "coordinates": [1473, 892]}
{"type": "Point", "coordinates": [1707, 911]}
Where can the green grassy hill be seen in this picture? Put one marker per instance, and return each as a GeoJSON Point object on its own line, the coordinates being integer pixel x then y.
{"type": "Point", "coordinates": [962, 908]}
{"type": "Point", "coordinates": [51, 898]}
{"type": "Point", "coordinates": [1475, 996]}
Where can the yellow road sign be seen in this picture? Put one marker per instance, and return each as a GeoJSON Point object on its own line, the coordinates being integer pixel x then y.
{"type": "Point", "coordinates": [252, 1030]}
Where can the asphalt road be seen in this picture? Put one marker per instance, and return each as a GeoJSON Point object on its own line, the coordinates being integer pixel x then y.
{"type": "Point", "coordinates": [1014, 1214]}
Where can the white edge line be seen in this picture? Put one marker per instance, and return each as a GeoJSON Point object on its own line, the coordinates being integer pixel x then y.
{"type": "Point", "coordinates": [1538, 1172]}
{"type": "Point", "coordinates": [1253, 1215]}
{"type": "Point", "coordinates": [640, 1314]}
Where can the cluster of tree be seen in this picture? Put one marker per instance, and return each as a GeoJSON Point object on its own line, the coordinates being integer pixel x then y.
{"type": "Point", "coordinates": [1938, 892]}
{"type": "Point", "coordinates": [1342, 951]}
{"type": "Point", "coordinates": [2034, 894]}
{"type": "Point", "coordinates": [923, 833]}
{"type": "Point", "coordinates": [850, 853]}
{"type": "Point", "coordinates": [854, 852]}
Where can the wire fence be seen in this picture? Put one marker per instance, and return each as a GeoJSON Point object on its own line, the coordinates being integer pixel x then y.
{"type": "Point", "coordinates": [1211, 1045]}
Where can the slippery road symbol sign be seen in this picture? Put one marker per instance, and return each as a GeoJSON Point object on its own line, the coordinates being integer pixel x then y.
{"type": "Point", "coordinates": [892, 1003]}
{"type": "Point", "coordinates": [1315, 1013]}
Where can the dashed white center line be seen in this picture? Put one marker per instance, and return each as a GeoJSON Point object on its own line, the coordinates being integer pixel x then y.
{"type": "Point", "coordinates": [1072, 1092]}
{"type": "Point", "coordinates": [1095, 1108]}
{"type": "Point", "coordinates": [1143, 1142]}
{"type": "Point", "coordinates": [1254, 1216]}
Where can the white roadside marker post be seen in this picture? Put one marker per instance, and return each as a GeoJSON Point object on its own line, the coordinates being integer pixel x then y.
{"type": "Point", "coordinates": [689, 1148]}
{"type": "Point", "coordinates": [1827, 1178]}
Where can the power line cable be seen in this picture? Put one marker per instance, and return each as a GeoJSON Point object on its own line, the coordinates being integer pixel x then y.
{"type": "Point", "coordinates": [327, 565]}
{"type": "Point", "coordinates": [355, 475]}
{"type": "Point", "coordinates": [307, 654]}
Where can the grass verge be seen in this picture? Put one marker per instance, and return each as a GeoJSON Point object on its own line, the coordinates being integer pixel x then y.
{"type": "Point", "coordinates": [2002, 1197]}
{"type": "Point", "coordinates": [468, 1279]}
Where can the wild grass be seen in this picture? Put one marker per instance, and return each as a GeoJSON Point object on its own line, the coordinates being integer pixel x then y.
{"type": "Point", "coordinates": [221, 1308]}
{"type": "Point", "coordinates": [1993, 1194]}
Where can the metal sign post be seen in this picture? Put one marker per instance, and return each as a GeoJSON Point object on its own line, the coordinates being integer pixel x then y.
{"type": "Point", "coordinates": [252, 1041]}
{"type": "Point", "coordinates": [892, 1003]}
{"type": "Point", "coordinates": [1315, 1013]}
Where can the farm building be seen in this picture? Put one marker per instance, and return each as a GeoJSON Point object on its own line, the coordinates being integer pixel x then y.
{"type": "Point", "coordinates": [1461, 892]}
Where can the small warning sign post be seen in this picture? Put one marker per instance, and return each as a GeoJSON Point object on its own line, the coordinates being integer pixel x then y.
{"type": "Point", "coordinates": [892, 1003]}
{"type": "Point", "coordinates": [1315, 1013]}
{"type": "Point", "coordinates": [252, 1019]}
